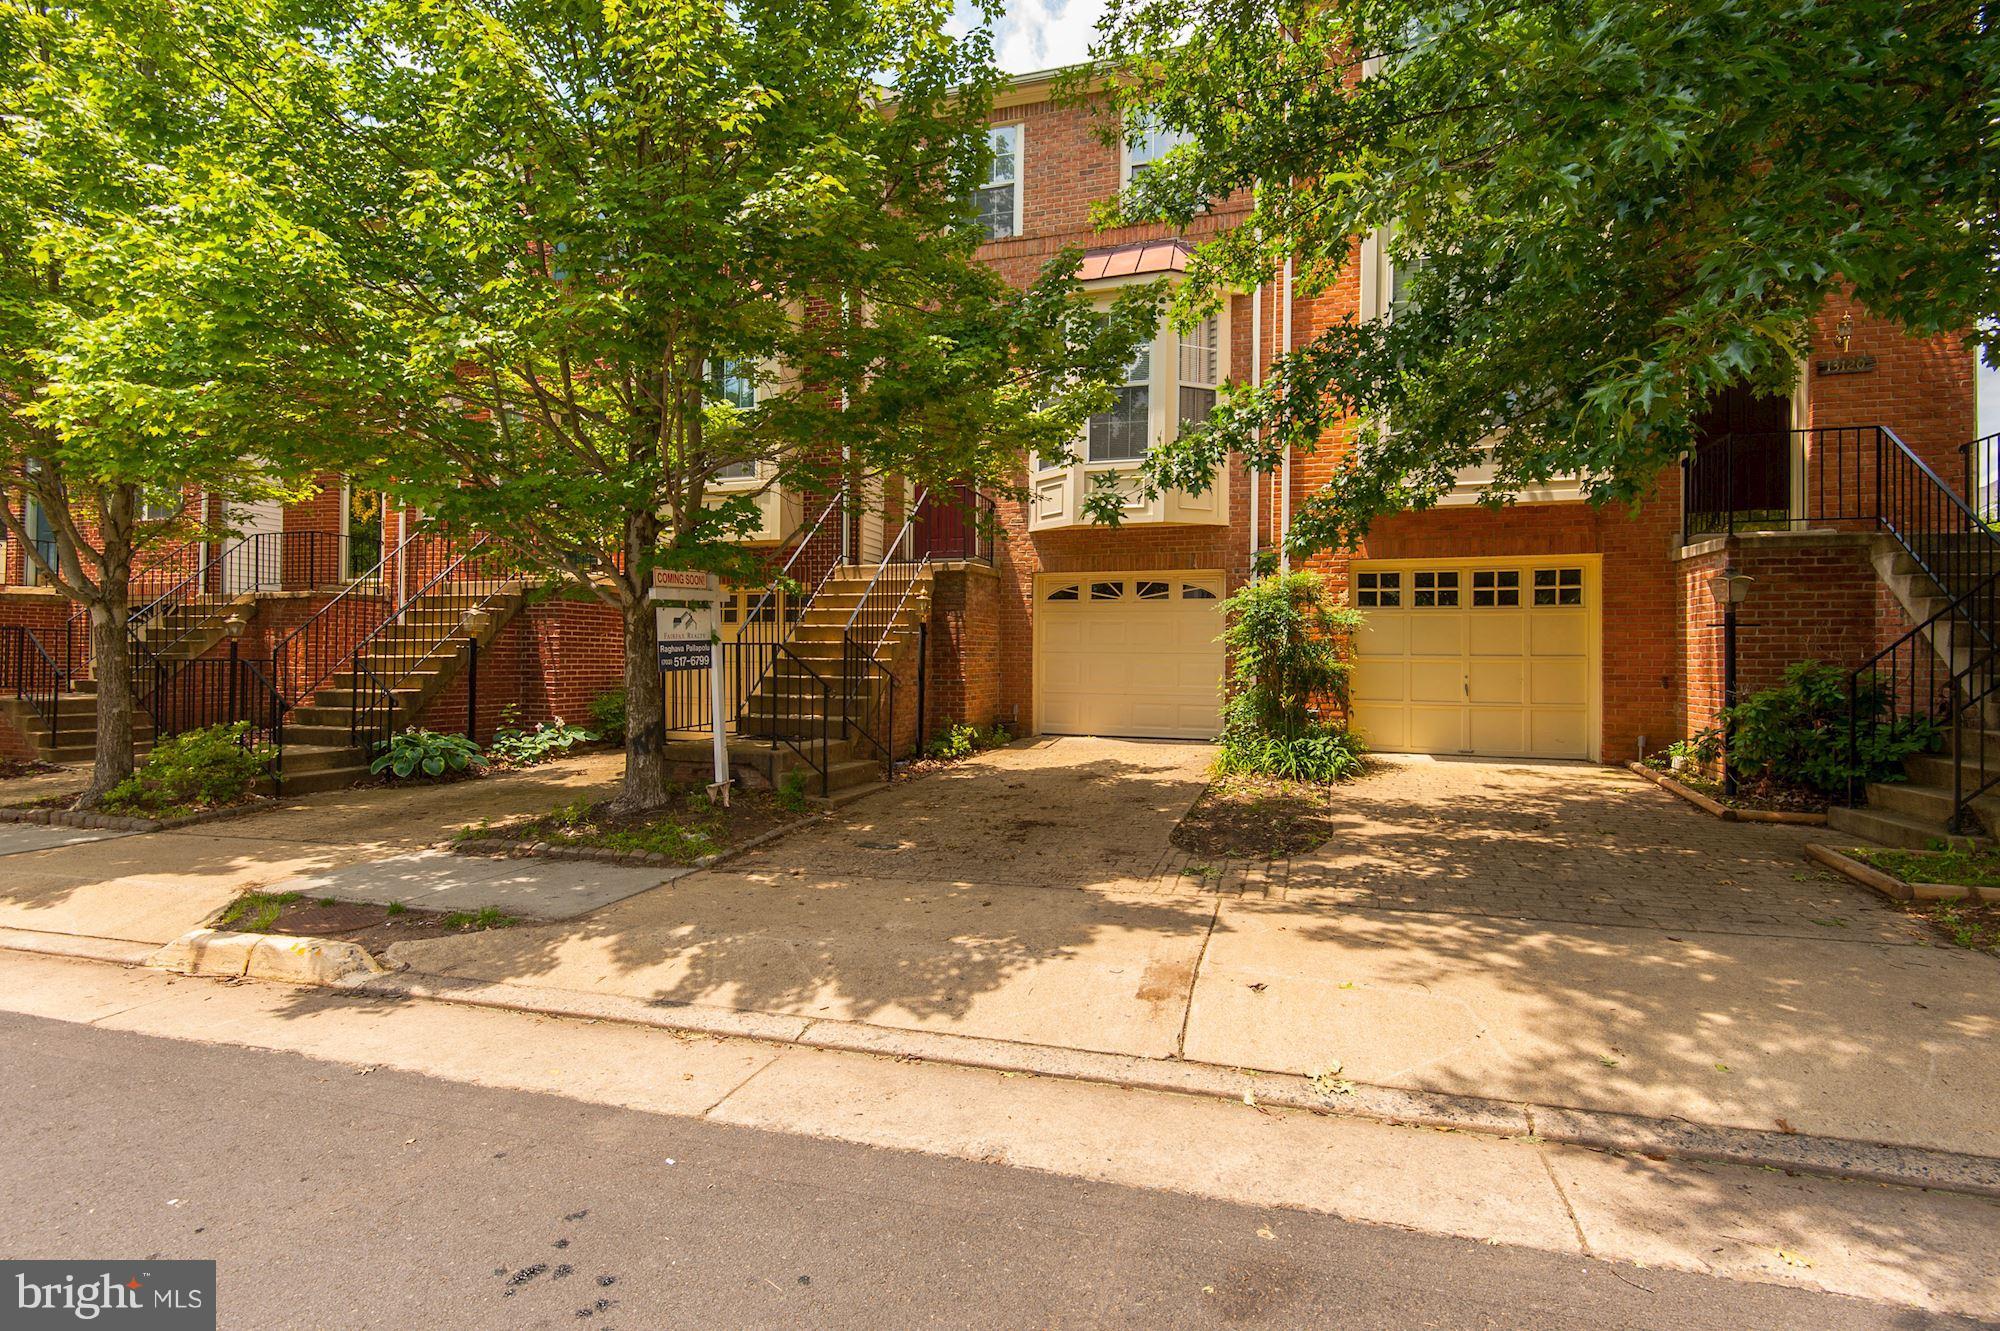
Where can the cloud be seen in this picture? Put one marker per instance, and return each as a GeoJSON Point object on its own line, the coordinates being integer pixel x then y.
{"type": "Point", "coordinates": [1043, 34]}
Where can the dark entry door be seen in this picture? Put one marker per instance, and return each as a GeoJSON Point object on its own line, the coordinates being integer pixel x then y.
{"type": "Point", "coordinates": [1741, 470]}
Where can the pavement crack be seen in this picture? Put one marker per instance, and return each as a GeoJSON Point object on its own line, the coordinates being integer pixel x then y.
{"type": "Point", "coordinates": [1194, 979]}
{"type": "Point", "coordinates": [726, 1095]}
{"type": "Point", "coordinates": [1562, 1195]}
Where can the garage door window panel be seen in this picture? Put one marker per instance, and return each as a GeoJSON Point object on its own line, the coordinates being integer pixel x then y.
{"type": "Point", "coordinates": [1496, 588]}
{"type": "Point", "coordinates": [1434, 588]}
{"type": "Point", "coordinates": [1379, 589]}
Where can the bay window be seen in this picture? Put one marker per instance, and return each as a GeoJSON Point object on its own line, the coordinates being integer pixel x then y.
{"type": "Point", "coordinates": [735, 382]}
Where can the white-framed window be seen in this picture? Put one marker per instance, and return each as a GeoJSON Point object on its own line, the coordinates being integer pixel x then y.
{"type": "Point", "coordinates": [1146, 142]}
{"type": "Point", "coordinates": [735, 382]}
{"type": "Point", "coordinates": [1199, 367]}
{"type": "Point", "coordinates": [1172, 381]}
{"type": "Point", "coordinates": [997, 203]}
{"type": "Point", "coordinates": [1123, 434]}
{"type": "Point", "coordinates": [157, 505]}
{"type": "Point", "coordinates": [1381, 277]}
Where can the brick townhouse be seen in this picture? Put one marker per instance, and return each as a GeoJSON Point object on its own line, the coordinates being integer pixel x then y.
{"type": "Point", "coordinates": [1548, 629]}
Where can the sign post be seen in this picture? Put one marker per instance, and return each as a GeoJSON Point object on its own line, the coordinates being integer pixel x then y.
{"type": "Point", "coordinates": [690, 638]}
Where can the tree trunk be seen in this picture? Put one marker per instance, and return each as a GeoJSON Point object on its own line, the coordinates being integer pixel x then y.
{"type": "Point", "coordinates": [645, 712]}
{"type": "Point", "coordinates": [111, 652]}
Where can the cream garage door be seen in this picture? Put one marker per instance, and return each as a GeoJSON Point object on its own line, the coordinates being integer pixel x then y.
{"type": "Point", "coordinates": [1129, 654]}
{"type": "Point", "coordinates": [1491, 657]}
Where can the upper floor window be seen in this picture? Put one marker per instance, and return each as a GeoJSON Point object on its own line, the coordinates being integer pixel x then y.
{"type": "Point", "coordinates": [735, 382]}
{"type": "Point", "coordinates": [998, 202]}
{"type": "Point", "coordinates": [1200, 370]}
{"type": "Point", "coordinates": [1172, 381]}
{"type": "Point", "coordinates": [1146, 142]}
{"type": "Point", "coordinates": [1120, 434]}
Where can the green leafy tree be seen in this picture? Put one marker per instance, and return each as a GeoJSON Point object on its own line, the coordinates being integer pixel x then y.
{"type": "Point", "coordinates": [1290, 650]}
{"type": "Point", "coordinates": [146, 353]}
{"type": "Point", "coordinates": [626, 249]}
{"type": "Point", "coordinates": [1600, 213]}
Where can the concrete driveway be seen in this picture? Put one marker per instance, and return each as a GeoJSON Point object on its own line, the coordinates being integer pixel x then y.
{"type": "Point", "coordinates": [1555, 933]}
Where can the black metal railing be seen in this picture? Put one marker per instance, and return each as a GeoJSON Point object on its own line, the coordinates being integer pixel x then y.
{"type": "Point", "coordinates": [867, 684]}
{"type": "Point", "coordinates": [1979, 466]}
{"type": "Point", "coordinates": [1935, 683]}
{"type": "Point", "coordinates": [216, 691]}
{"type": "Point", "coordinates": [433, 627]}
{"type": "Point", "coordinates": [32, 673]}
{"type": "Point", "coordinates": [306, 657]}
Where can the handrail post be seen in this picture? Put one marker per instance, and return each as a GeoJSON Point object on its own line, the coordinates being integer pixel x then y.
{"type": "Point", "coordinates": [472, 689]}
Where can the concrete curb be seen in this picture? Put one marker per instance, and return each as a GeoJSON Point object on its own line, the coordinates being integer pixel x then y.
{"type": "Point", "coordinates": [115, 823]}
{"type": "Point", "coordinates": [1834, 1157]}
{"type": "Point", "coordinates": [288, 959]}
{"type": "Point", "coordinates": [119, 951]}
{"type": "Point", "coordinates": [1891, 886]}
{"type": "Point", "coordinates": [1723, 811]}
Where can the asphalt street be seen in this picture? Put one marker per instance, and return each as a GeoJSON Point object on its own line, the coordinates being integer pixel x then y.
{"type": "Point", "coordinates": [339, 1197]}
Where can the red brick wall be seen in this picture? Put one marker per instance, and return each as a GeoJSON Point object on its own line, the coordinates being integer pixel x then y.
{"type": "Point", "coordinates": [1812, 597]}
{"type": "Point", "coordinates": [963, 681]}
{"type": "Point", "coordinates": [550, 661]}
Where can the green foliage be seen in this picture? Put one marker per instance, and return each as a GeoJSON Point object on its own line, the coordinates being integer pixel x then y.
{"type": "Point", "coordinates": [514, 747]}
{"type": "Point", "coordinates": [791, 794]}
{"type": "Point", "coordinates": [1320, 756]}
{"type": "Point", "coordinates": [192, 771]}
{"type": "Point", "coordinates": [486, 917]}
{"type": "Point", "coordinates": [1600, 213]}
{"type": "Point", "coordinates": [962, 739]}
{"type": "Point", "coordinates": [254, 912]}
{"type": "Point", "coordinates": [1290, 649]}
{"type": "Point", "coordinates": [607, 715]}
{"type": "Point", "coordinates": [424, 754]}
{"type": "Point", "coordinates": [655, 242]}
{"type": "Point", "coordinates": [1797, 733]}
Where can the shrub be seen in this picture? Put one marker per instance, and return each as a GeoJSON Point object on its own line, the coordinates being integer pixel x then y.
{"type": "Point", "coordinates": [1288, 648]}
{"type": "Point", "coordinates": [1321, 756]}
{"type": "Point", "coordinates": [962, 740]}
{"type": "Point", "coordinates": [539, 743]}
{"type": "Point", "coordinates": [607, 715]}
{"type": "Point", "coordinates": [425, 753]}
{"type": "Point", "coordinates": [1797, 733]}
{"type": "Point", "coordinates": [197, 769]}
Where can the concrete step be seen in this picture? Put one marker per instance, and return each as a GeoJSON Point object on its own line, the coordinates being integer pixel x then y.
{"type": "Point", "coordinates": [321, 779]}
{"type": "Point", "coordinates": [1895, 829]}
{"type": "Point", "coordinates": [303, 758]}
{"type": "Point", "coordinates": [1930, 804]}
{"type": "Point", "coordinates": [1935, 769]}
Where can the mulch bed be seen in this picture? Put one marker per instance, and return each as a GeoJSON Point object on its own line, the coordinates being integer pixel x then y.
{"type": "Point", "coordinates": [1761, 796]}
{"type": "Point", "coordinates": [688, 830]}
{"type": "Point", "coordinates": [370, 925]}
{"type": "Point", "coordinates": [1259, 816]}
{"type": "Point", "coordinates": [11, 768]}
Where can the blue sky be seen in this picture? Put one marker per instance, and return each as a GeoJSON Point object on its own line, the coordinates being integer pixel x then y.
{"type": "Point", "coordinates": [1042, 34]}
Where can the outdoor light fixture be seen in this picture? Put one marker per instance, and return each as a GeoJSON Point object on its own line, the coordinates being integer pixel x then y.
{"type": "Point", "coordinates": [1843, 333]}
{"type": "Point", "coordinates": [1729, 587]}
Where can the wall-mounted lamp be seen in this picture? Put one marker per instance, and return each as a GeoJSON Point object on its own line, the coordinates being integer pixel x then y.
{"type": "Point", "coordinates": [1843, 332]}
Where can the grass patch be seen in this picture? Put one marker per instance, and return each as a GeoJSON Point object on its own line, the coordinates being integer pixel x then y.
{"type": "Point", "coordinates": [1243, 814]}
{"type": "Point", "coordinates": [1956, 868]}
{"type": "Point", "coordinates": [1976, 927]}
{"type": "Point", "coordinates": [256, 912]}
{"type": "Point", "coordinates": [486, 917]}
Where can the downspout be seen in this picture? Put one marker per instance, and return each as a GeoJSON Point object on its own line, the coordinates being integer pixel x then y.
{"type": "Point", "coordinates": [1256, 381]}
{"type": "Point", "coordinates": [1285, 467]}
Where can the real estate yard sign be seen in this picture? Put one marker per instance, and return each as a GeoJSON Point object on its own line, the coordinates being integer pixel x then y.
{"type": "Point", "coordinates": [689, 630]}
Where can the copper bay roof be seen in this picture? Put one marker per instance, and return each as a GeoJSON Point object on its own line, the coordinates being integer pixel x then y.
{"type": "Point", "coordinates": [1148, 256]}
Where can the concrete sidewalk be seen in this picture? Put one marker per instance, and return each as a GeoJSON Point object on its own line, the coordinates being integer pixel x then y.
{"type": "Point", "coordinates": [156, 886]}
{"type": "Point", "coordinates": [1918, 1249]}
{"type": "Point", "coordinates": [1555, 934]}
